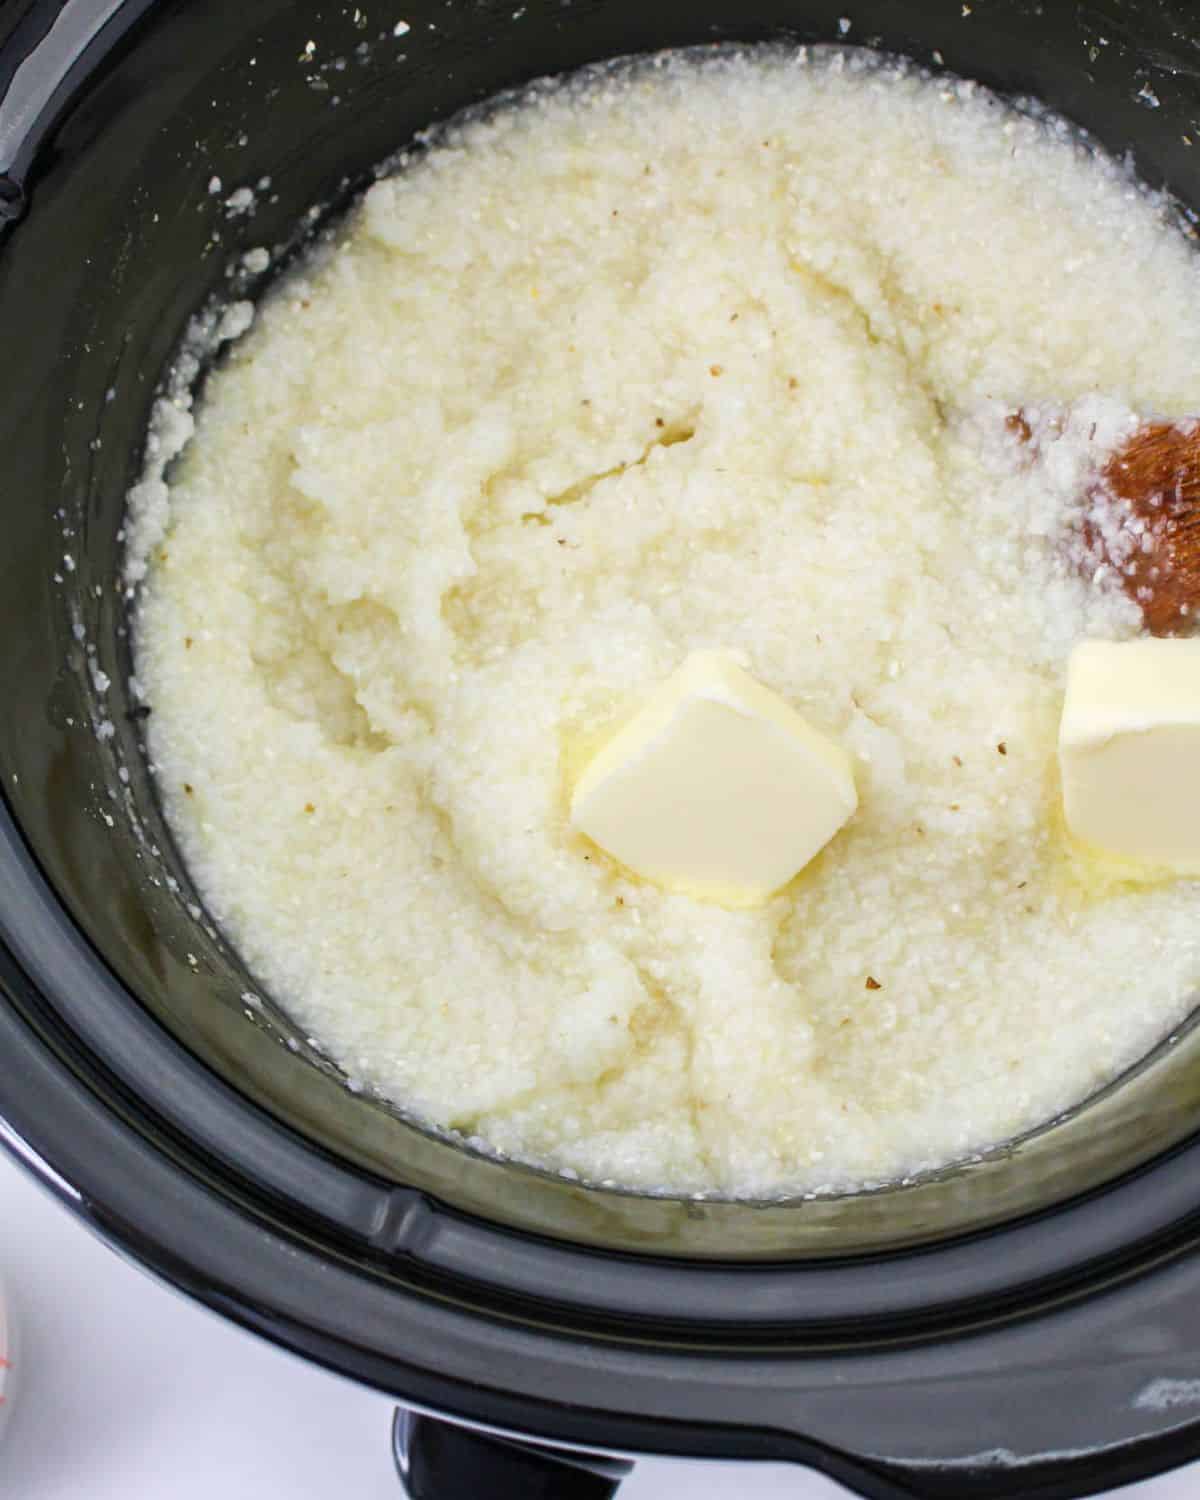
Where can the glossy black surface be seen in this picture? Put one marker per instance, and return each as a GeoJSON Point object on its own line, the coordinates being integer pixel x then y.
{"type": "Point", "coordinates": [886, 1337]}
{"type": "Point", "coordinates": [439, 1461]}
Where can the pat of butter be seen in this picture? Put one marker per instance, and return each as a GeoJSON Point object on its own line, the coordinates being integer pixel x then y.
{"type": "Point", "coordinates": [716, 787]}
{"type": "Point", "coordinates": [1129, 751]}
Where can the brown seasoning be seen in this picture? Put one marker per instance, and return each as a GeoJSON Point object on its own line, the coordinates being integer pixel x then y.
{"type": "Point", "coordinates": [1155, 478]}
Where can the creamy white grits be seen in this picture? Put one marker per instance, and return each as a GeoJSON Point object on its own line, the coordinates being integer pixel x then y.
{"type": "Point", "coordinates": [697, 355]}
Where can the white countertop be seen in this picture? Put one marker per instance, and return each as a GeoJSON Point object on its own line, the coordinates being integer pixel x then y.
{"type": "Point", "coordinates": [124, 1390]}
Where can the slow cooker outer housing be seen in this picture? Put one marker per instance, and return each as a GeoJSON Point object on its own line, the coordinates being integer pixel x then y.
{"type": "Point", "coordinates": [1025, 1327]}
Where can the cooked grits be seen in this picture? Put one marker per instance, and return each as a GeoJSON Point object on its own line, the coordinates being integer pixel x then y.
{"type": "Point", "coordinates": [691, 355]}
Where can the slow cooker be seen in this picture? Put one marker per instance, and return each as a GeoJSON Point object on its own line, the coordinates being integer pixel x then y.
{"type": "Point", "coordinates": [1025, 1324]}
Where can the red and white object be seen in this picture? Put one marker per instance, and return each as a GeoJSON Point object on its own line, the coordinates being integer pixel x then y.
{"type": "Point", "coordinates": [7, 1358]}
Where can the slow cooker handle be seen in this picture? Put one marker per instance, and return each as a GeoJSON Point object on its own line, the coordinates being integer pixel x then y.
{"type": "Point", "coordinates": [46, 48]}
{"type": "Point", "coordinates": [442, 1461]}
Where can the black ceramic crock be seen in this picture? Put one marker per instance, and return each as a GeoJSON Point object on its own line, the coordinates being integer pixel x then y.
{"type": "Point", "coordinates": [1026, 1325]}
